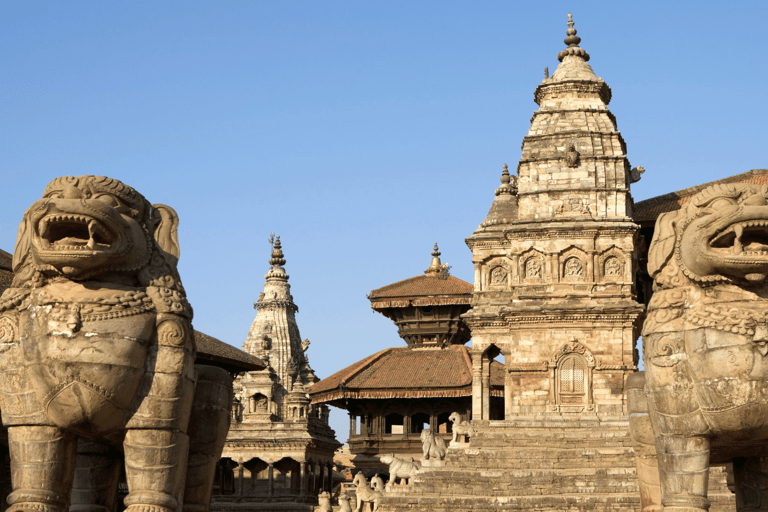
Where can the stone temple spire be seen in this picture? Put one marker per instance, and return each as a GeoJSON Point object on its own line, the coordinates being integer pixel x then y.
{"type": "Point", "coordinates": [274, 335]}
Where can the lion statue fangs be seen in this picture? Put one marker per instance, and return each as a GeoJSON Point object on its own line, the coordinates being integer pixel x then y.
{"type": "Point", "coordinates": [703, 397]}
{"type": "Point", "coordinates": [95, 265]}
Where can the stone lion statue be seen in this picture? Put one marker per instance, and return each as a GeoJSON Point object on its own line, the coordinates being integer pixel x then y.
{"type": "Point", "coordinates": [403, 469]}
{"type": "Point", "coordinates": [704, 392]}
{"type": "Point", "coordinates": [460, 428]}
{"type": "Point", "coordinates": [97, 358]}
{"type": "Point", "coordinates": [432, 446]}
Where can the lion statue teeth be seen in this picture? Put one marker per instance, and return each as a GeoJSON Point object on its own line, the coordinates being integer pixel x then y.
{"type": "Point", "coordinates": [97, 357]}
{"type": "Point", "coordinates": [704, 393]}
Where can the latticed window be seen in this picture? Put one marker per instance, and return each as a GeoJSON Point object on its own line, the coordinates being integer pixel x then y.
{"type": "Point", "coordinates": [572, 378]}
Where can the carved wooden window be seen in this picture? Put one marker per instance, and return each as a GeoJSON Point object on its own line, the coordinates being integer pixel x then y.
{"type": "Point", "coordinates": [572, 379]}
{"type": "Point", "coordinates": [393, 424]}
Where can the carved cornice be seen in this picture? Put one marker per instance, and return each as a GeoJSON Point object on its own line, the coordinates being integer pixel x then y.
{"type": "Point", "coordinates": [275, 304]}
{"type": "Point", "coordinates": [573, 87]}
{"type": "Point", "coordinates": [582, 157]}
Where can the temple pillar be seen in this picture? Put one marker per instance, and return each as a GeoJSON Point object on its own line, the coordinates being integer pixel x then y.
{"type": "Point", "coordinates": [477, 385]}
{"type": "Point", "coordinates": [271, 488]}
{"type": "Point", "coordinates": [240, 471]}
{"type": "Point", "coordinates": [486, 390]}
{"type": "Point", "coordinates": [352, 425]}
{"type": "Point", "coordinates": [303, 478]}
{"type": "Point", "coordinates": [330, 477]}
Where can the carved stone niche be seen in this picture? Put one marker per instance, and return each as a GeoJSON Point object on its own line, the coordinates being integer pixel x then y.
{"type": "Point", "coordinates": [612, 265]}
{"type": "Point", "coordinates": [499, 273]}
{"type": "Point", "coordinates": [532, 266]}
{"type": "Point", "coordinates": [574, 266]}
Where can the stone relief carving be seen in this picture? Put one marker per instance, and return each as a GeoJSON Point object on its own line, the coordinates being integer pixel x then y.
{"type": "Point", "coordinates": [573, 346]}
{"type": "Point", "coordinates": [533, 268]}
{"type": "Point", "coordinates": [573, 268]}
{"type": "Point", "coordinates": [106, 359]}
{"type": "Point", "coordinates": [460, 428]}
{"type": "Point", "coordinates": [571, 154]}
{"type": "Point", "coordinates": [403, 469]}
{"type": "Point", "coordinates": [498, 276]}
{"type": "Point", "coordinates": [433, 446]}
{"type": "Point", "coordinates": [365, 494]}
{"type": "Point", "coordinates": [612, 267]}
{"type": "Point", "coordinates": [705, 346]}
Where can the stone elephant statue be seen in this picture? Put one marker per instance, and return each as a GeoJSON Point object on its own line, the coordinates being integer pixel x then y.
{"type": "Point", "coordinates": [97, 359]}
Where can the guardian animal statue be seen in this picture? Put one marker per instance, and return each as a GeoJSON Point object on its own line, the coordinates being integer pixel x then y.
{"type": "Point", "coordinates": [433, 447]}
{"type": "Point", "coordinates": [365, 494]}
{"type": "Point", "coordinates": [377, 483]}
{"type": "Point", "coordinates": [705, 348]}
{"type": "Point", "coordinates": [97, 359]}
{"type": "Point", "coordinates": [460, 428]}
{"type": "Point", "coordinates": [405, 470]}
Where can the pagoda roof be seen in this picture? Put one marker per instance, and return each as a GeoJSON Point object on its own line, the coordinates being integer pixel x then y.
{"type": "Point", "coordinates": [403, 372]}
{"type": "Point", "coordinates": [427, 290]}
{"type": "Point", "coordinates": [648, 211]}
{"type": "Point", "coordinates": [217, 353]}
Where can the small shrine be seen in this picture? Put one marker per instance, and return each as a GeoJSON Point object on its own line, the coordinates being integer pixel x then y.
{"type": "Point", "coordinates": [394, 395]}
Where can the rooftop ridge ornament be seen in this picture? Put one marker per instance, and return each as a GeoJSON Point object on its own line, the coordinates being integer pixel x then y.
{"type": "Point", "coordinates": [573, 43]}
{"type": "Point", "coordinates": [507, 185]}
{"type": "Point", "coordinates": [277, 259]}
{"type": "Point", "coordinates": [437, 269]}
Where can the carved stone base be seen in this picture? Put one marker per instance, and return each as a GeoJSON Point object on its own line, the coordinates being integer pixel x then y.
{"type": "Point", "coordinates": [432, 463]}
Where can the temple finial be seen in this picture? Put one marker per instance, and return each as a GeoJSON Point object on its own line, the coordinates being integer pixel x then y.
{"type": "Point", "coordinates": [277, 259]}
{"type": "Point", "coordinates": [572, 40]}
{"type": "Point", "coordinates": [506, 187]}
{"type": "Point", "coordinates": [435, 251]}
{"type": "Point", "coordinates": [436, 268]}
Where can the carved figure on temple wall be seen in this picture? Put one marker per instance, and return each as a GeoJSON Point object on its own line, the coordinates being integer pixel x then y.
{"type": "Point", "coordinates": [533, 268]}
{"type": "Point", "coordinates": [97, 357]}
{"type": "Point", "coordinates": [460, 428]}
{"type": "Point", "coordinates": [403, 469]}
{"type": "Point", "coordinates": [705, 342]}
{"type": "Point", "coordinates": [571, 155]}
{"type": "Point", "coordinates": [365, 494]}
{"type": "Point", "coordinates": [573, 268]}
{"type": "Point", "coordinates": [498, 276]}
{"type": "Point", "coordinates": [433, 447]}
{"type": "Point", "coordinates": [612, 267]}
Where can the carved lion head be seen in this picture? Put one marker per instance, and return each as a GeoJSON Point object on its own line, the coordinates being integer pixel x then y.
{"type": "Point", "coordinates": [97, 228]}
{"type": "Point", "coordinates": [721, 234]}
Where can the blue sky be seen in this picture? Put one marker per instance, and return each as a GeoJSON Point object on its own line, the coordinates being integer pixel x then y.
{"type": "Point", "coordinates": [361, 132]}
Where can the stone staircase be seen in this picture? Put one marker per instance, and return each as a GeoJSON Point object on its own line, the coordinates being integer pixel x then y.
{"type": "Point", "coordinates": [575, 465]}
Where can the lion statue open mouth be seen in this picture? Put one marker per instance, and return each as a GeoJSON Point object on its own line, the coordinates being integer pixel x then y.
{"type": "Point", "coordinates": [97, 358]}
{"type": "Point", "coordinates": [703, 397]}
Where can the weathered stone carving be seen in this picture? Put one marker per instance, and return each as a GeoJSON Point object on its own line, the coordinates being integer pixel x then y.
{"type": "Point", "coordinates": [533, 268]}
{"type": "Point", "coordinates": [324, 502]}
{"type": "Point", "coordinates": [399, 468]}
{"type": "Point", "coordinates": [344, 502]}
{"type": "Point", "coordinates": [612, 267]}
{"type": "Point", "coordinates": [706, 373]}
{"type": "Point", "coordinates": [433, 447]}
{"type": "Point", "coordinates": [97, 357]}
{"type": "Point", "coordinates": [571, 154]}
{"type": "Point", "coordinates": [377, 483]}
{"type": "Point", "coordinates": [573, 268]}
{"type": "Point", "coordinates": [365, 494]}
{"type": "Point", "coordinates": [460, 428]}
{"type": "Point", "coordinates": [498, 276]}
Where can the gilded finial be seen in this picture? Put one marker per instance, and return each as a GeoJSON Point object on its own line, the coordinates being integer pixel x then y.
{"type": "Point", "coordinates": [277, 259]}
{"type": "Point", "coordinates": [506, 179]}
{"type": "Point", "coordinates": [435, 251]}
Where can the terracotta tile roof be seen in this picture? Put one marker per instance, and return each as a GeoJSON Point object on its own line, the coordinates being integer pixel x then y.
{"type": "Point", "coordinates": [402, 372]}
{"type": "Point", "coordinates": [422, 291]}
{"type": "Point", "coordinates": [217, 353]}
{"type": "Point", "coordinates": [648, 211]}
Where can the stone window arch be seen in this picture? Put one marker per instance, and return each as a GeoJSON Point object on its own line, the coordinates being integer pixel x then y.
{"type": "Point", "coordinates": [572, 382]}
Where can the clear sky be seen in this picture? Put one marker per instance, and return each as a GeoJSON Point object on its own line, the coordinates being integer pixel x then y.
{"type": "Point", "coordinates": [360, 132]}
